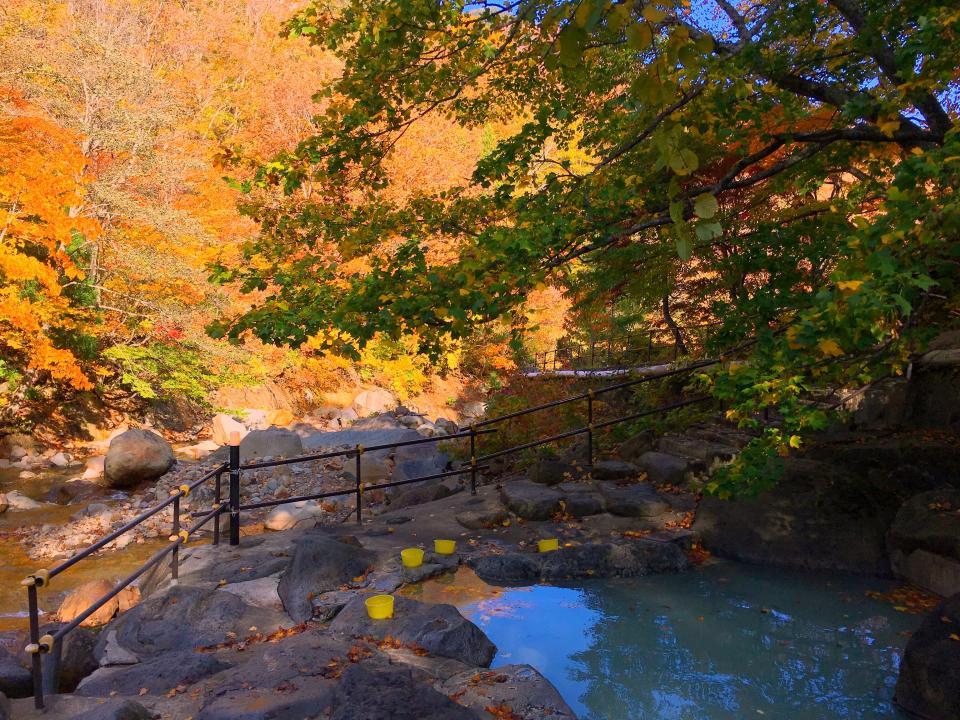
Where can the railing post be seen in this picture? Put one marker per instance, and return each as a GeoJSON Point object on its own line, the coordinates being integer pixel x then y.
{"type": "Point", "coordinates": [175, 555]}
{"type": "Point", "coordinates": [234, 488]}
{"type": "Point", "coordinates": [359, 490]}
{"type": "Point", "coordinates": [34, 647]}
{"type": "Point", "coordinates": [590, 428]}
{"type": "Point", "coordinates": [473, 460]}
{"type": "Point", "coordinates": [51, 675]}
{"type": "Point", "coordinates": [217, 499]}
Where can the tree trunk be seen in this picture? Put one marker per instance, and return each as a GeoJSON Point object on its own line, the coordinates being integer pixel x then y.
{"type": "Point", "coordinates": [671, 323]}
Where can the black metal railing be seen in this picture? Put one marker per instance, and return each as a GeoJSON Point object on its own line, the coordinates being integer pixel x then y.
{"type": "Point", "coordinates": [623, 350]}
{"type": "Point", "coordinates": [46, 681]}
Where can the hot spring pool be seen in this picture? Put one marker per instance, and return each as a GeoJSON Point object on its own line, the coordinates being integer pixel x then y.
{"type": "Point", "coordinates": [725, 641]}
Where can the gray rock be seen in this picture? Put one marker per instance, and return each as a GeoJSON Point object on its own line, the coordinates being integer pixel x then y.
{"type": "Point", "coordinates": [924, 541]}
{"type": "Point", "coordinates": [482, 519]}
{"type": "Point", "coordinates": [531, 501]}
{"type": "Point", "coordinates": [320, 563]}
{"type": "Point", "coordinates": [627, 559]}
{"type": "Point", "coordinates": [439, 629]}
{"type": "Point", "coordinates": [398, 696]}
{"type": "Point", "coordinates": [691, 446]}
{"type": "Point", "coordinates": [591, 560]}
{"type": "Point", "coordinates": [4, 707]}
{"type": "Point", "coordinates": [278, 681]}
{"type": "Point", "coordinates": [115, 709]}
{"type": "Point", "coordinates": [818, 517]}
{"type": "Point", "coordinates": [507, 569]}
{"type": "Point", "coordinates": [633, 447]}
{"type": "Point", "coordinates": [136, 456]}
{"type": "Point", "coordinates": [528, 694]}
{"type": "Point", "coordinates": [929, 681]}
{"type": "Point", "coordinates": [272, 442]}
{"type": "Point", "coordinates": [327, 605]}
{"type": "Point", "coordinates": [636, 500]}
{"type": "Point", "coordinates": [76, 656]}
{"type": "Point", "coordinates": [183, 618]}
{"type": "Point", "coordinates": [329, 441]}
{"type": "Point", "coordinates": [157, 675]}
{"type": "Point", "coordinates": [417, 494]}
{"type": "Point", "coordinates": [552, 471]}
{"type": "Point", "coordinates": [448, 426]}
{"type": "Point", "coordinates": [285, 517]}
{"type": "Point", "coordinates": [614, 470]}
{"type": "Point", "coordinates": [15, 679]}
{"type": "Point", "coordinates": [582, 501]}
{"type": "Point", "coordinates": [663, 468]}
{"type": "Point", "coordinates": [373, 402]}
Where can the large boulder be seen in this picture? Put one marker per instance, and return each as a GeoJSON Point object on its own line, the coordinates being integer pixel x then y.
{"type": "Point", "coordinates": [136, 456]}
{"type": "Point", "coordinates": [15, 679]}
{"type": "Point", "coordinates": [224, 426]}
{"type": "Point", "coordinates": [417, 494]}
{"type": "Point", "coordinates": [393, 693]}
{"type": "Point", "coordinates": [272, 442]}
{"type": "Point", "coordinates": [818, 517]}
{"type": "Point", "coordinates": [527, 693]}
{"type": "Point", "coordinates": [634, 500]}
{"type": "Point", "coordinates": [157, 675]}
{"type": "Point", "coordinates": [82, 597]}
{"type": "Point", "coordinates": [319, 563]}
{"type": "Point", "coordinates": [531, 501]}
{"type": "Point", "coordinates": [929, 682]}
{"type": "Point", "coordinates": [438, 628]}
{"type": "Point", "coordinates": [663, 468]}
{"type": "Point", "coordinates": [924, 541]}
{"type": "Point", "coordinates": [375, 401]}
{"type": "Point", "coordinates": [591, 560]}
{"type": "Point", "coordinates": [285, 517]}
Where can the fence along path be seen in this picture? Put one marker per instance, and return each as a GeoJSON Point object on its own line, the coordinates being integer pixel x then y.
{"type": "Point", "coordinates": [45, 672]}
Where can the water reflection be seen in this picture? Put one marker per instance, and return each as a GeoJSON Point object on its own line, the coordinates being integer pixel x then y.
{"type": "Point", "coordinates": [720, 643]}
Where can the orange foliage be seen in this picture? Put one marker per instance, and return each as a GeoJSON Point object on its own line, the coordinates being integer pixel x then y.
{"type": "Point", "coordinates": [42, 176]}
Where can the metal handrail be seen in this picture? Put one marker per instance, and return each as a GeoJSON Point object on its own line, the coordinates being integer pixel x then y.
{"type": "Point", "coordinates": [52, 643]}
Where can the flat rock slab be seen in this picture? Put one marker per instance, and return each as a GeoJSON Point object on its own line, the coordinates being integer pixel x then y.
{"type": "Point", "coordinates": [639, 500]}
{"type": "Point", "coordinates": [929, 682]}
{"type": "Point", "coordinates": [439, 629]}
{"type": "Point", "coordinates": [591, 560]}
{"type": "Point", "coordinates": [320, 563]}
{"type": "Point", "coordinates": [486, 518]}
{"type": "Point", "coordinates": [614, 470]}
{"type": "Point", "coordinates": [530, 500]}
{"type": "Point", "coordinates": [690, 446]}
{"type": "Point", "coordinates": [394, 694]}
{"type": "Point", "coordinates": [75, 707]}
{"type": "Point", "coordinates": [156, 676]}
{"type": "Point", "coordinates": [663, 468]}
{"type": "Point", "coordinates": [184, 618]}
{"type": "Point", "coordinates": [522, 689]}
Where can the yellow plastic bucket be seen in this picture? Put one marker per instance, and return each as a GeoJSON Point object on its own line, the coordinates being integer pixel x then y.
{"type": "Point", "coordinates": [548, 545]}
{"type": "Point", "coordinates": [380, 607]}
{"type": "Point", "coordinates": [412, 557]}
{"type": "Point", "coordinates": [444, 547]}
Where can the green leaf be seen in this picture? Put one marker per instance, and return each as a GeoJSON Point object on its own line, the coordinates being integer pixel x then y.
{"type": "Point", "coordinates": [709, 231]}
{"type": "Point", "coordinates": [571, 41]}
{"type": "Point", "coordinates": [639, 36]}
{"type": "Point", "coordinates": [684, 162]}
{"type": "Point", "coordinates": [705, 206]}
{"type": "Point", "coordinates": [684, 244]}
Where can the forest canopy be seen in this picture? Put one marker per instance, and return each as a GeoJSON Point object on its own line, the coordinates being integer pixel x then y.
{"type": "Point", "coordinates": [784, 170]}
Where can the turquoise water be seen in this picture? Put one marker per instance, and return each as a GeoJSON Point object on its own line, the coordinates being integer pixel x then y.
{"type": "Point", "coordinates": [725, 641]}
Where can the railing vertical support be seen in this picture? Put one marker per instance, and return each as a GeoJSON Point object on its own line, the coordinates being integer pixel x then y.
{"type": "Point", "coordinates": [234, 488]}
{"type": "Point", "coordinates": [175, 555]}
{"type": "Point", "coordinates": [473, 460]}
{"type": "Point", "coordinates": [359, 485]}
{"type": "Point", "coordinates": [51, 674]}
{"type": "Point", "coordinates": [217, 500]}
{"type": "Point", "coordinates": [590, 428]}
{"type": "Point", "coordinates": [35, 659]}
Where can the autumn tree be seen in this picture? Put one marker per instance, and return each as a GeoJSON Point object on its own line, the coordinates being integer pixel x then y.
{"type": "Point", "coordinates": [45, 304]}
{"type": "Point", "coordinates": [792, 165]}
